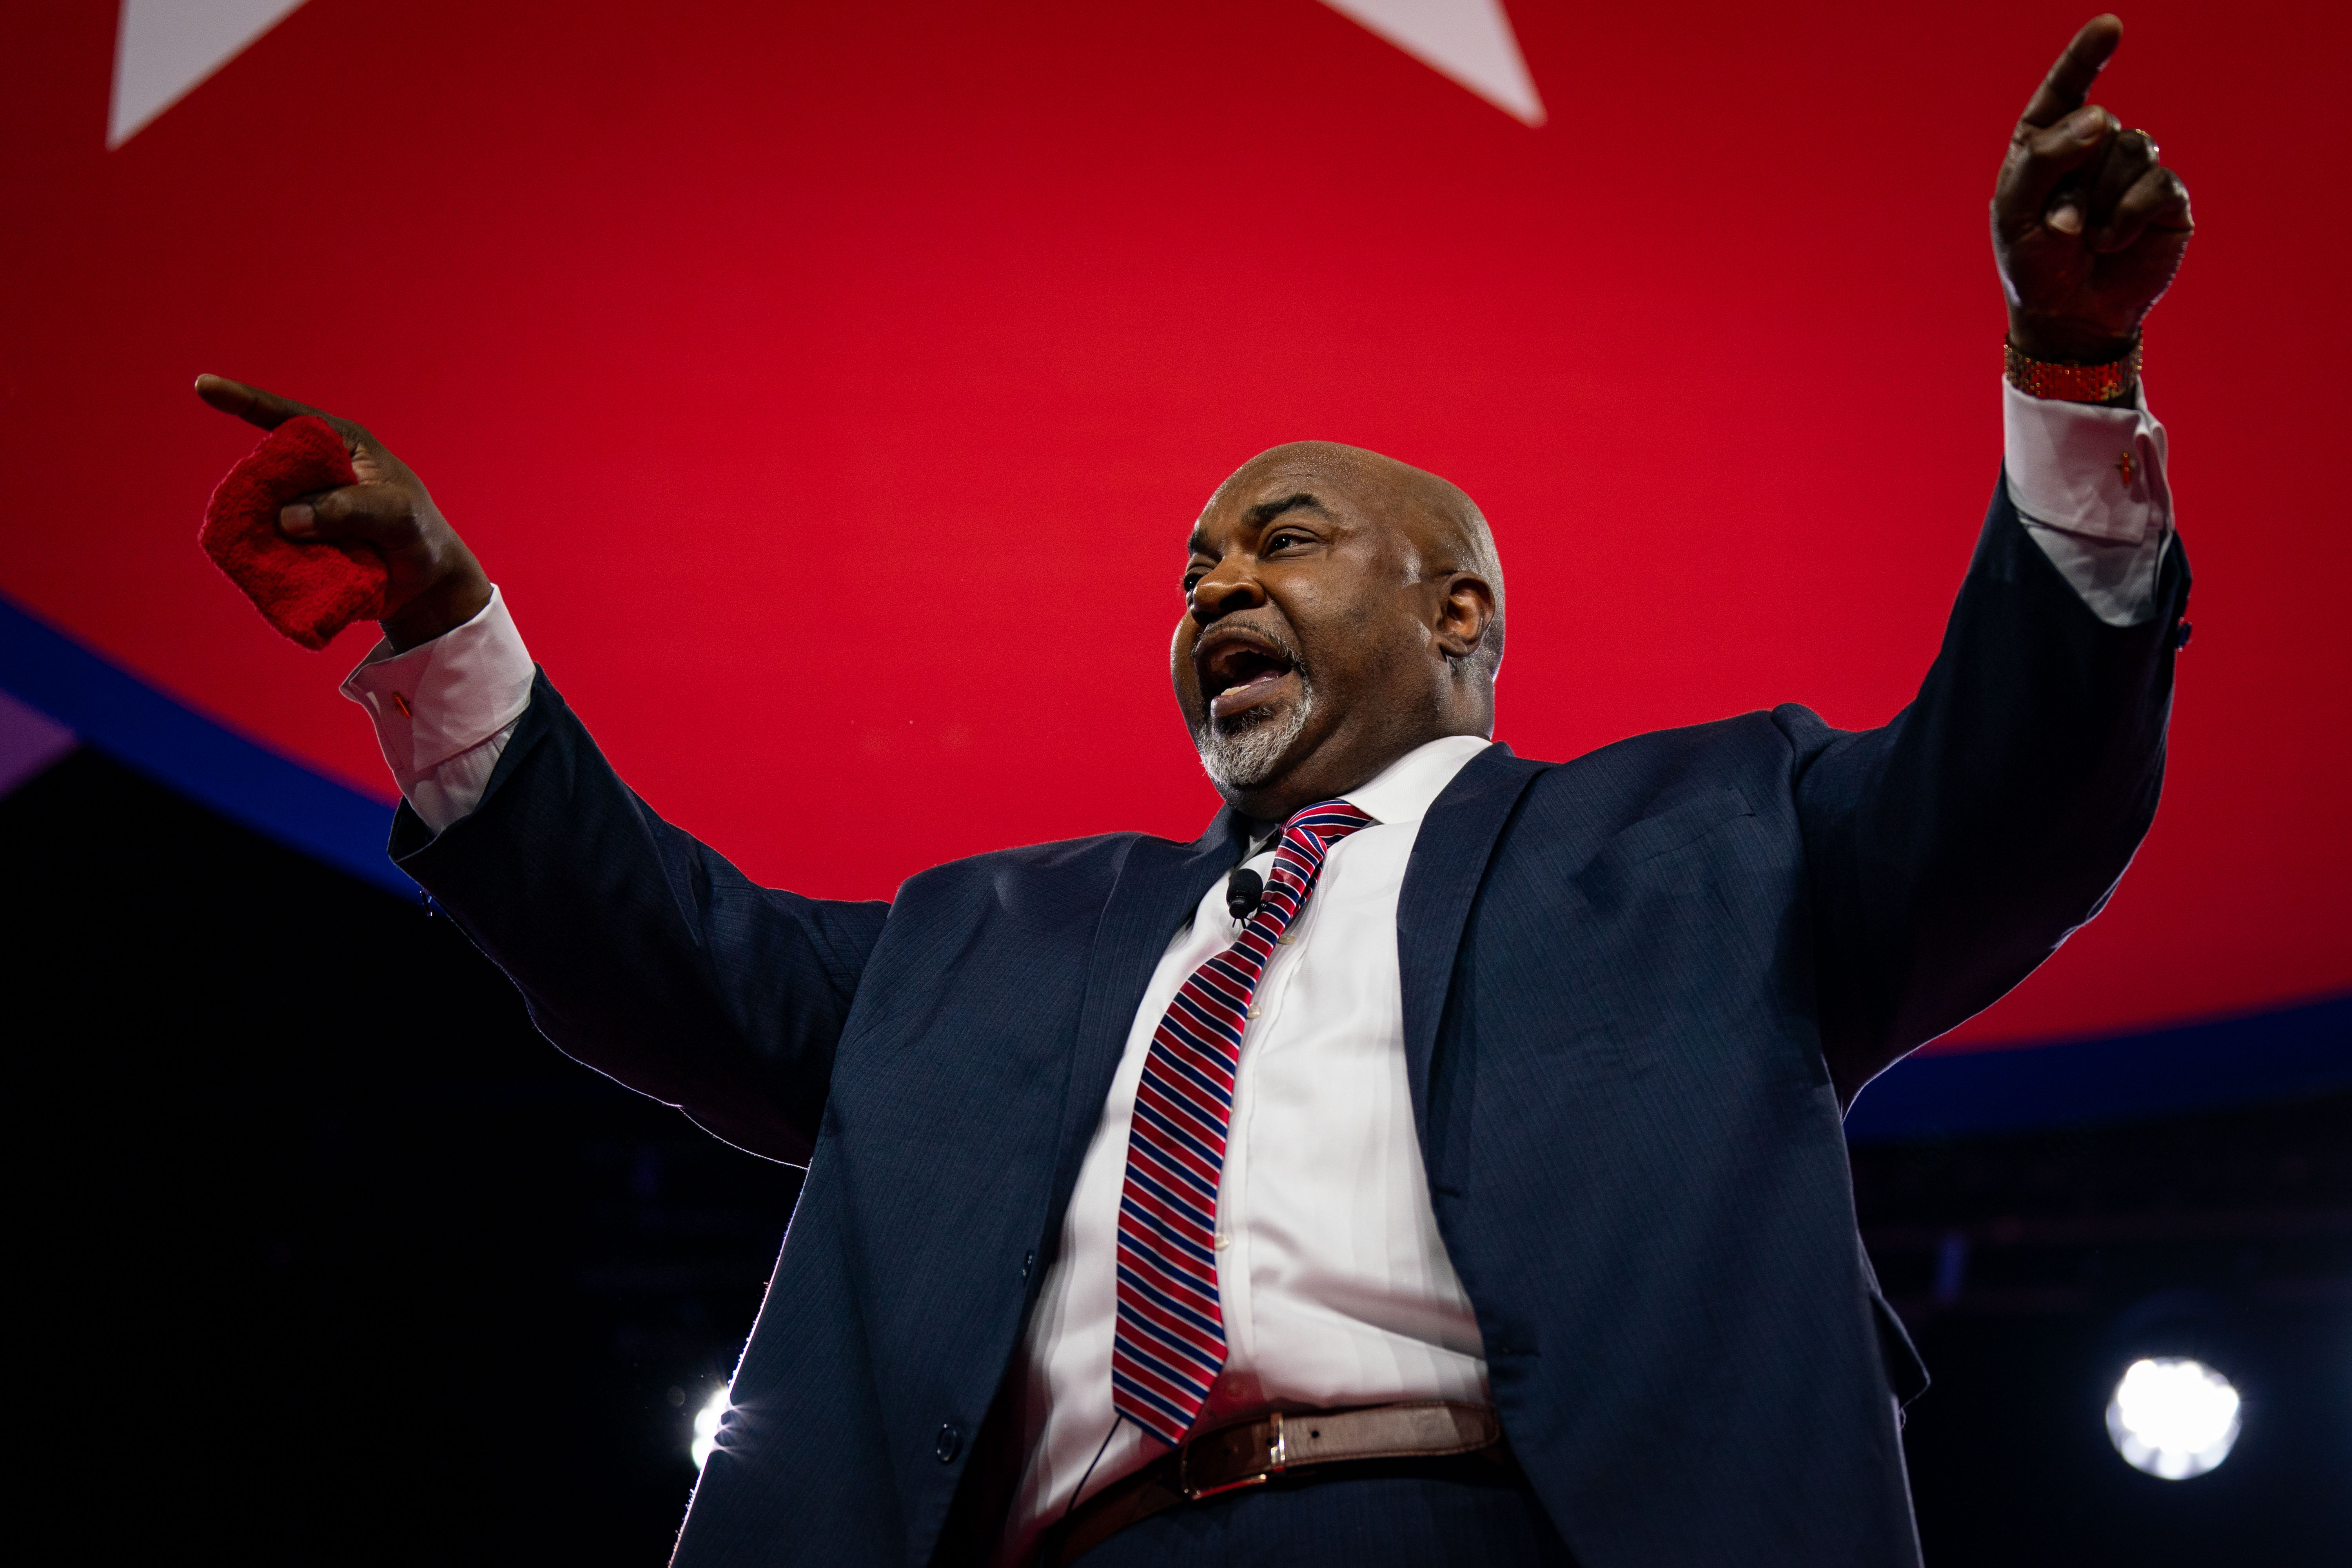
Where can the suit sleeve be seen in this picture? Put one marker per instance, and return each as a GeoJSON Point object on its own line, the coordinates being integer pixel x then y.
{"type": "Point", "coordinates": [1950, 852]}
{"type": "Point", "coordinates": [641, 952]}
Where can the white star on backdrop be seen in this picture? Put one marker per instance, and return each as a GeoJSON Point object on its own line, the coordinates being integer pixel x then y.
{"type": "Point", "coordinates": [1469, 41]}
{"type": "Point", "coordinates": [164, 49]}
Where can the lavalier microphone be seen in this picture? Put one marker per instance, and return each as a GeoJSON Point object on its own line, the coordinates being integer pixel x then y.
{"type": "Point", "coordinates": [1243, 888]}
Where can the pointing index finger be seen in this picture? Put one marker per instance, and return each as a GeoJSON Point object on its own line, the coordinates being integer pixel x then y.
{"type": "Point", "coordinates": [250, 403]}
{"type": "Point", "coordinates": [268, 410]}
{"type": "Point", "coordinates": [2063, 91]}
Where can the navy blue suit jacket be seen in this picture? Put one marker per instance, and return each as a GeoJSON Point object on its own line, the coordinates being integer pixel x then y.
{"type": "Point", "coordinates": [1639, 989]}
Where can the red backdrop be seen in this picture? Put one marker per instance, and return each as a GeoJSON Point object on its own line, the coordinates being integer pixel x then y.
{"type": "Point", "coordinates": [830, 387]}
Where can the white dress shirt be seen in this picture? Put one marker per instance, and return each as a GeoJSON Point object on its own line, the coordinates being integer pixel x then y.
{"type": "Point", "coordinates": [1334, 1283]}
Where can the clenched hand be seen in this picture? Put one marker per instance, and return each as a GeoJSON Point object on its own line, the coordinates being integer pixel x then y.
{"type": "Point", "coordinates": [434, 583]}
{"type": "Point", "coordinates": [2087, 226]}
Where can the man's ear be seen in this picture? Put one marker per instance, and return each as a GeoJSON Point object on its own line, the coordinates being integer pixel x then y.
{"type": "Point", "coordinates": [1465, 615]}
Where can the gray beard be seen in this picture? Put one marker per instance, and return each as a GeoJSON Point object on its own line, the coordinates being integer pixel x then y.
{"type": "Point", "coordinates": [1240, 757]}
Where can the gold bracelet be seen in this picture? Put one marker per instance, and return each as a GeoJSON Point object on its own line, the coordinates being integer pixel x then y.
{"type": "Point", "coordinates": [2109, 383]}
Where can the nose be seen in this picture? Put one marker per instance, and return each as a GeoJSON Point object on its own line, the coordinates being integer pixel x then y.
{"type": "Point", "coordinates": [1229, 586]}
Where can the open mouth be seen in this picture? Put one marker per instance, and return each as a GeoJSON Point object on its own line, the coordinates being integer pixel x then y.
{"type": "Point", "coordinates": [1239, 670]}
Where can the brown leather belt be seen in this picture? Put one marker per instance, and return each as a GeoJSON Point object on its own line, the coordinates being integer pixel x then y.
{"type": "Point", "coordinates": [1253, 1453]}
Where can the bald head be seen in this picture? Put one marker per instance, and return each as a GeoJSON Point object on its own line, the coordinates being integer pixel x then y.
{"type": "Point", "coordinates": [1342, 608]}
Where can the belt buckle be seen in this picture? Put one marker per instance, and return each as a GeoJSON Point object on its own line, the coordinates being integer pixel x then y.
{"type": "Point", "coordinates": [1277, 1461]}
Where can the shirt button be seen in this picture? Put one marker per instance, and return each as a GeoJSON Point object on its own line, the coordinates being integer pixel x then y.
{"type": "Point", "coordinates": [1223, 1241]}
{"type": "Point", "coordinates": [1253, 1011]}
{"type": "Point", "coordinates": [950, 1440]}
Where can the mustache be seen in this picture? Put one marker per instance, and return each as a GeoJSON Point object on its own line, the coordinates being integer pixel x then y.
{"type": "Point", "coordinates": [1276, 634]}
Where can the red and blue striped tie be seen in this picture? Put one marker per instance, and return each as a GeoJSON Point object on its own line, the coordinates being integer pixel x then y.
{"type": "Point", "coordinates": [1171, 1340]}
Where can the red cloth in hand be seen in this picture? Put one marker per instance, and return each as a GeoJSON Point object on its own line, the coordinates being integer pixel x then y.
{"type": "Point", "coordinates": [311, 591]}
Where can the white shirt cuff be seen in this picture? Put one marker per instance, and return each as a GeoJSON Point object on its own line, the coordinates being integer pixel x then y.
{"type": "Point", "coordinates": [440, 707]}
{"type": "Point", "coordinates": [2090, 485]}
{"type": "Point", "coordinates": [2087, 469]}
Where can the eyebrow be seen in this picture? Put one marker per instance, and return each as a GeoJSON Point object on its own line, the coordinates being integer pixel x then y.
{"type": "Point", "coordinates": [1264, 512]}
{"type": "Point", "coordinates": [1258, 515]}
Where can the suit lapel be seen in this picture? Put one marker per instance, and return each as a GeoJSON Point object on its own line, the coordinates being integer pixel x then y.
{"type": "Point", "coordinates": [1157, 887]}
{"type": "Point", "coordinates": [1160, 882]}
{"type": "Point", "coordinates": [1441, 883]}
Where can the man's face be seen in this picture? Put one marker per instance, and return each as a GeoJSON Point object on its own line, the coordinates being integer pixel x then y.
{"type": "Point", "coordinates": [1305, 659]}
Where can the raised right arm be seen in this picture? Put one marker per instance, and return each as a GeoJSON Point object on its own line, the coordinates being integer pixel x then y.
{"type": "Point", "coordinates": [640, 951]}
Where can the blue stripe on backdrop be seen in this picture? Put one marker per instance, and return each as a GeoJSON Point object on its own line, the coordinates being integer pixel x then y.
{"type": "Point", "coordinates": [2292, 1051]}
{"type": "Point", "coordinates": [2279, 1055]}
{"type": "Point", "coordinates": [241, 779]}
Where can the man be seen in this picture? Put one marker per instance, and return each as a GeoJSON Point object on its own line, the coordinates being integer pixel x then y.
{"type": "Point", "coordinates": [1439, 1159]}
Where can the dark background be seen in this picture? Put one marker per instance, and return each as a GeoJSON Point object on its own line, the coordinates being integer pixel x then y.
{"type": "Point", "coordinates": [323, 1256]}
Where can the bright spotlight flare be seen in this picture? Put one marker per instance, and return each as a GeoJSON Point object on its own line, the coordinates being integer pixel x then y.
{"type": "Point", "coordinates": [2173, 1418]}
{"type": "Point", "coordinates": [707, 1422]}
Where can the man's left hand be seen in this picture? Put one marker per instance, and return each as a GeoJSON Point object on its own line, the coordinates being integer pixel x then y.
{"type": "Point", "coordinates": [2087, 226]}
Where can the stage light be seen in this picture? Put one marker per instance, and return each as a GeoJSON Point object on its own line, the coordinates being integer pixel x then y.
{"type": "Point", "coordinates": [706, 1428]}
{"type": "Point", "coordinates": [2172, 1417]}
